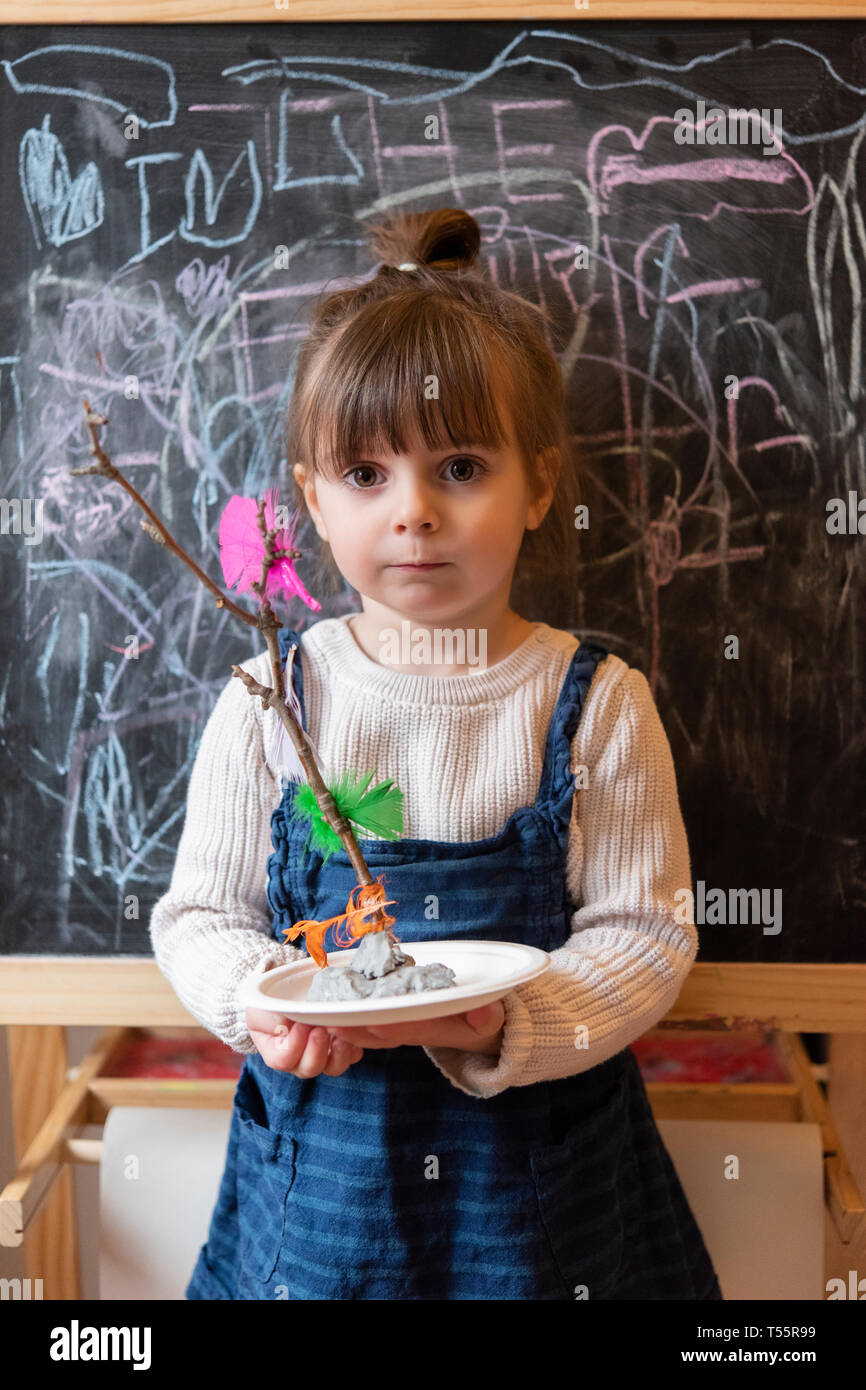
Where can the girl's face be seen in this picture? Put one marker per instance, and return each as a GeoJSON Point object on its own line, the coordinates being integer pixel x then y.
{"type": "Point", "coordinates": [465, 509]}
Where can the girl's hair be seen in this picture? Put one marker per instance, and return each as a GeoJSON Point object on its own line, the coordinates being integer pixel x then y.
{"type": "Point", "coordinates": [439, 348]}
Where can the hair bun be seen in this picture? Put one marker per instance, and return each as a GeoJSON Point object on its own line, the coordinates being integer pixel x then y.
{"type": "Point", "coordinates": [446, 239]}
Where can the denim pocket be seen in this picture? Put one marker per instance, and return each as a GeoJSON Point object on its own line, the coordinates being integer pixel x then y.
{"type": "Point", "coordinates": [265, 1174]}
{"type": "Point", "coordinates": [578, 1182]}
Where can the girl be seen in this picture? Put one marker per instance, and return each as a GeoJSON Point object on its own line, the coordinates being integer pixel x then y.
{"type": "Point", "coordinates": [509, 1152]}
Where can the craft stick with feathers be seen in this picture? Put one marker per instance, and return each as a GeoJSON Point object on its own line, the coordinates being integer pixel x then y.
{"type": "Point", "coordinates": [256, 555]}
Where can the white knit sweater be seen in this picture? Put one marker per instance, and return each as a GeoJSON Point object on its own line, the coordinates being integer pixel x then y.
{"type": "Point", "coordinates": [466, 751]}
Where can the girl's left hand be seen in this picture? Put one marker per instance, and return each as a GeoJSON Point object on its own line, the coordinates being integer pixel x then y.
{"type": "Point", "coordinates": [479, 1030]}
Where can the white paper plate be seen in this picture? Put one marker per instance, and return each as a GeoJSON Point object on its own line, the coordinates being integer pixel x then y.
{"type": "Point", "coordinates": [485, 971]}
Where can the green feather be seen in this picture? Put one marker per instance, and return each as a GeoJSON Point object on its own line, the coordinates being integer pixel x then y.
{"type": "Point", "coordinates": [378, 810]}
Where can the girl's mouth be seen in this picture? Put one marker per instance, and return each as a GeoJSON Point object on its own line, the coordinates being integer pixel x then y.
{"type": "Point", "coordinates": [432, 565]}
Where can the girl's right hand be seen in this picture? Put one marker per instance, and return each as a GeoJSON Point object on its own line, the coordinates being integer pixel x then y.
{"type": "Point", "coordinates": [299, 1048]}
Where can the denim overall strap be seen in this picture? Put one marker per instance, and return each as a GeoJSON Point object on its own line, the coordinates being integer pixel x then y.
{"type": "Point", "coordinates": [557, 780]}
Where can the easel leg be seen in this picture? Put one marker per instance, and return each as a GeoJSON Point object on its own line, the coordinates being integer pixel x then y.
{"type": "Point", "coordinates": [37, 1073]}
{"type": "Point", "coordinates": [846, 1066]}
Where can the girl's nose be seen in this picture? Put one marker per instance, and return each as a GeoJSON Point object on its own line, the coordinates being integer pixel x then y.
{"type": "Point", "coordinates": [414, 509]}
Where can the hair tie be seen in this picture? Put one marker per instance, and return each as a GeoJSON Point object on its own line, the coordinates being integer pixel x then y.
{"type": "Point", "coordinates": [407, 265]}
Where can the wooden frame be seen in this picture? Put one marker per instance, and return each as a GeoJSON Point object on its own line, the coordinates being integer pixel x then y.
{"type": "Point", "coordinates": [131, 991]}
{"type": "Point", "coordinates": [95, 12]}
{"type": "Point", "coordinates": [42, 995]}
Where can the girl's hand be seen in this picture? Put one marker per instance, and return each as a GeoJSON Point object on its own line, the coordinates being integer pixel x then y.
{"type": "Point", "coordinates": [479, 1030]}
{"type": "Point", "coordinates": [298, 1047]}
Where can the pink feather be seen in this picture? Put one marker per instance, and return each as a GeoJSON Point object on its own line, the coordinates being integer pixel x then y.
{"type": "Point", "coordinates": [242, 549]}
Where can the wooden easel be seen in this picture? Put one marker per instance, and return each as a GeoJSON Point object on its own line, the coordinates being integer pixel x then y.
{"type": "Point", "coordinates": [40, 996]}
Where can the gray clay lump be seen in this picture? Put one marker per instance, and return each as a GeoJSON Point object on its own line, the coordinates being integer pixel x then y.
{"type": "Point", "coordinates": [380, 966]}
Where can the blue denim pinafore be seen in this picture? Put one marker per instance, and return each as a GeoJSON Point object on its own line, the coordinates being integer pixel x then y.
{"type": "Point", "coordinates": [389, 1182]}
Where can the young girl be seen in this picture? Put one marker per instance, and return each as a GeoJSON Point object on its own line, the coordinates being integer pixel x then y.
{"type": "Point", "coordinates": [509, 1152]}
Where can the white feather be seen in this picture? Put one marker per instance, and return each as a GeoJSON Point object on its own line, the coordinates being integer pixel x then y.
{"type": "Point", "coordinates": [284, 757]}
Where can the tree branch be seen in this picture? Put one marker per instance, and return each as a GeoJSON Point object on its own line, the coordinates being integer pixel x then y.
{"type": "Point", "coordinates": [266, 621]}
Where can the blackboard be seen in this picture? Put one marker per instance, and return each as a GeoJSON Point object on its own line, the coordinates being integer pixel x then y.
{"type": "Point", "coordinates": [149, 175]}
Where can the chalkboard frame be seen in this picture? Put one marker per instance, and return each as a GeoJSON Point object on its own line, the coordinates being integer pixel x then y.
{"type": "Point", "coordinates": [45, 989]}
{"type": "Point", "coordinates": [95, 12]}
{"type": "Point", "coordinates": [37, 989]}
{"type": "Point", "coordinates": [717, 995]}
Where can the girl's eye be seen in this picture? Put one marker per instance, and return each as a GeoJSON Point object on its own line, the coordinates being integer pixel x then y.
{"type": "Point", "coordinates": [362, 468]}
{"type": "Point", "coordinates": [464, 463]}
{"type": "Point", "coordinates": [363, 477]}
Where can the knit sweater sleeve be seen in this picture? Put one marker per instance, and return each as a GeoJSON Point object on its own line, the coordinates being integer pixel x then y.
{"type": "Point", "coordinates": [629, 950]}
{"type": "Point", "coordinates": [211, 930]}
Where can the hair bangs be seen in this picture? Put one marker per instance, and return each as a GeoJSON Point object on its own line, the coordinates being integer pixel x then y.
{"type": "Point", "coordinates": [413, 372]}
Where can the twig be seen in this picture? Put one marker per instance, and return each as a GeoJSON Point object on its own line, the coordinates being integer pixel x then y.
{"type": "Point", "coordinates": [107, 469]}
{"type": "Point", "coordinates": [266, 621]}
